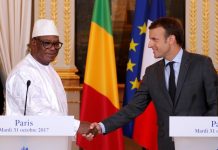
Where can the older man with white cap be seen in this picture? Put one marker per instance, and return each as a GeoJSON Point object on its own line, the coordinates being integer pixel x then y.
{"type": "Point", "coordinates": [33, 87]}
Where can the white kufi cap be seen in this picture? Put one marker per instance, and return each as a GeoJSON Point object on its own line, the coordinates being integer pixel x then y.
{"type": "Point", "coordinates": [44, 27]}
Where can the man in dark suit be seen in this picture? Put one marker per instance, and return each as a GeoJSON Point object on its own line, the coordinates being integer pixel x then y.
{"type": "Point", "coordinates": [181, 84]}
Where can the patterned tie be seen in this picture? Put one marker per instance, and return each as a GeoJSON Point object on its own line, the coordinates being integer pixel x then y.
{"type": "Point", "coordinates": [172, 84]}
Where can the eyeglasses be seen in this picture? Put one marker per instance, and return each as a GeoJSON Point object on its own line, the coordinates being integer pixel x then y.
{"type": "Point", "coordinates": [47, 44]}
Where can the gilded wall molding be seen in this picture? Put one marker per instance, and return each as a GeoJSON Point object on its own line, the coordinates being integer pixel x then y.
{"type": "Point", "coordinates": [216, 32]}
{"type": "Point", "coordinates": [41, 9]}
{"type": "Point", "coordinates": [54, 12]}
{"type": "Point", "coordinates": [67, 73]}
{"type": "Point", "coordinates": [205, 27]}
{"type": "Point", "coordinates": [67, 31]}
{"type": "Point", "coordinates": [54, 17]}
{"type": "Point", "coordinates": [193, 25]}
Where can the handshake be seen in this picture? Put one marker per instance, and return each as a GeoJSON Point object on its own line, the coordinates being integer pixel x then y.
{"type": "Point", "coordinates": [89, 130]}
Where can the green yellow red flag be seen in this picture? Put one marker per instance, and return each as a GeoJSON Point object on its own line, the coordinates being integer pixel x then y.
{"type": "Point", "coordinates": [100, 92]}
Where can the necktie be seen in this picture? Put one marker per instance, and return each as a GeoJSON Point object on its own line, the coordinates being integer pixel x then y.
{"type": "Point", "coordinates": [172, 84]}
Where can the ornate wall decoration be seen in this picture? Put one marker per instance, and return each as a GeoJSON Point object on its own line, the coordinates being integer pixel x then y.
{"type": "Point", "coordinates": [54, 16]}
{"type": "Point", "coordinates": [203, 30]}
{"type": "Point", "coordinates": [67, 25]}
{"type": "Point", "coordinates": [205, 27]}
{"type": "Point", "coordinates": [54, 11]}
{"type": "Point", "coordinates": [41, 9]}
{"type": "Point", "coordinates": [216, 31]}
{"type": "Point", "coordinates": [193, 25]}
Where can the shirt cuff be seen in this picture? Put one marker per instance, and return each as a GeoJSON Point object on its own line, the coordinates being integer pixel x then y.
{"type": "Point", "coordinates": [102, 127]}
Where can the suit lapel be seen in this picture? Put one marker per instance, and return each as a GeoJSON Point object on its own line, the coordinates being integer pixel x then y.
{"type": "Point", "coordinates": [182, 73]}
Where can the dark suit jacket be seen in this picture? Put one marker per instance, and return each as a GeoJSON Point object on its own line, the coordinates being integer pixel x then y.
{"type": "Point", "coordinates": [196, 95]}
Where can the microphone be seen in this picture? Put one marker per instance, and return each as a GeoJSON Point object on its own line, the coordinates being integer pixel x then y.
{"type": "Point", "coordinates": [27, 87]}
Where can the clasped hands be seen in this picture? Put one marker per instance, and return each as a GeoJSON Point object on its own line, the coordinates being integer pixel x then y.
{"type": "Point", "coordinates": [89, 130]}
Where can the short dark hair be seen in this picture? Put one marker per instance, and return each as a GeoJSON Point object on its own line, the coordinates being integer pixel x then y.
{"type": "Point", "coordinates": [172, 26]}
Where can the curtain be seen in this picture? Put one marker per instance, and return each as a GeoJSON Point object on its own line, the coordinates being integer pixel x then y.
{"type": "Point", "coordinates": [15, 25]}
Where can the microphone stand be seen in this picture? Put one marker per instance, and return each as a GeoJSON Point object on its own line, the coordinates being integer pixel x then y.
{"type": "Point", "coordinates": [28, 84]}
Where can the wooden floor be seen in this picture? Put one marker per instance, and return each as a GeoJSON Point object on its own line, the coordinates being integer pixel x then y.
{"type": "Point", "coordinates": [131, 145]}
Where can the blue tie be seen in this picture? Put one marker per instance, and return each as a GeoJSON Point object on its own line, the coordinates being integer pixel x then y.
{"type": "Point", "coordinates": [172, 84]}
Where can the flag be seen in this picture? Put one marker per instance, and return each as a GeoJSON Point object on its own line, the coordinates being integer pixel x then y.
{"type": "Point", "coordinates": [100, 92]}
{"type": "Point", "coordinates": [157, 10]}
{"type": "Point", "coordinates": [144, 128]}
{"type": "Point", "coordinates": [135, 56]}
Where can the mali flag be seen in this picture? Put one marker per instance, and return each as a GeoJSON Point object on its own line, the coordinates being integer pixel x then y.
{"type": "Point", "coordinates": [100, 92]}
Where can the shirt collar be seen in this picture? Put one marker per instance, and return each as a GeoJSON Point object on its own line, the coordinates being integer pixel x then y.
{"type": "Point", "coordinates": [177, 58]}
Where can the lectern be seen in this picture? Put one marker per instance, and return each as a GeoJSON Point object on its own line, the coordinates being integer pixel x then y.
{"type": "Point", "coordinates": [194, 133]}
{"type": "Point", "coordinates": [36, 133]}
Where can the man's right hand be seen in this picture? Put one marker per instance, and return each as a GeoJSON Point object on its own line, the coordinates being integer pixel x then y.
{"type": "Point", "coordinates": [95, 129]}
